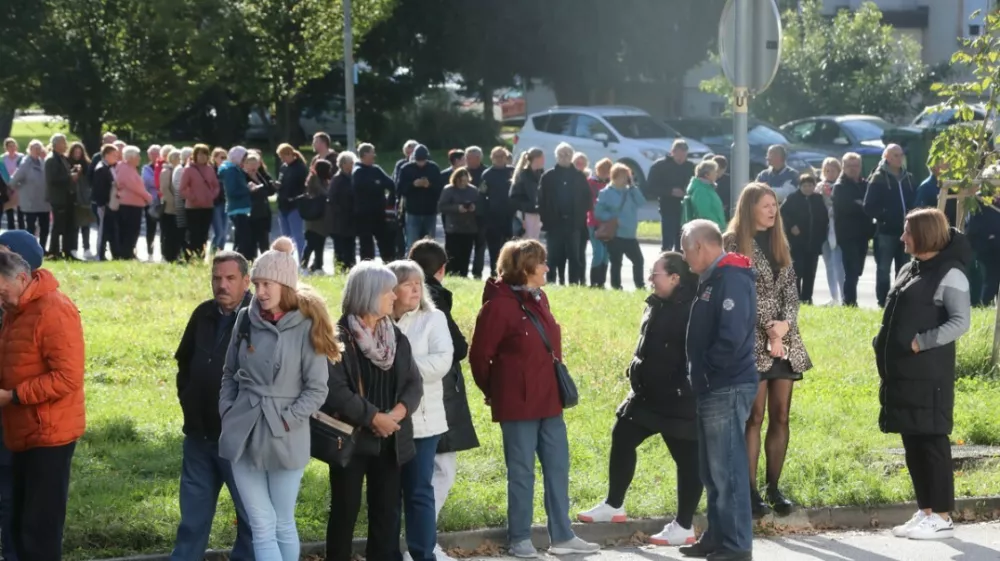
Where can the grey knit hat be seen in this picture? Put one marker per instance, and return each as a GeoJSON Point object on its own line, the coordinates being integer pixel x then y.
{"type": "Point", "coordinates": [278, 265]}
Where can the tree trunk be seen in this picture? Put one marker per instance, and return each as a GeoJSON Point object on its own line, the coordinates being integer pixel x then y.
{"type": "Point", "coordinates": [89, 131]}
{"type": "Point", "coordinates": [486, 94]}
{"type": "Point", "coordinates": [6, 121]}
{"type": "Point", "coordinates": [288, 122]}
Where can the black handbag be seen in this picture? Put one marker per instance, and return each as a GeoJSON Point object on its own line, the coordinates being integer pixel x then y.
{"type": "Point", "coordinates": [333, 441]}
{"type": "Point", "coordinates": [568, 393]}
{"type": "Point", "coordinates": [311, 207]}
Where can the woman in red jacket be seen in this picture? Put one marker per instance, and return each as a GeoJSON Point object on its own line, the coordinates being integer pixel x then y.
{"type": "Point", "coordinates": [514, 369]}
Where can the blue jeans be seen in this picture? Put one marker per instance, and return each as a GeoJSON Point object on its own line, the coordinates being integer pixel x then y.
{"type": "Point", "coordinates": [292, 226]}
{"type": "Point", "coordinates": [521, 441]}
{"type": "Point", "coordinates": [887, 249]}
{"type": "Point", "coordinates": [220, 227]}
{"type": "Point", "coordinates": [203, 473]}
{"type": "Point", "coordinates": [418, 500]}
{"type": "Point", "coordinates": [722, 455]}
{"type": "Point", "coordinates": [418, 227]}
{"type": "Point", "coordinates": [269, 498]}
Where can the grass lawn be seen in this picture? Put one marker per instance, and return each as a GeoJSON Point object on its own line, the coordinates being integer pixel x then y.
{"type": "Point", "coordinates": [649, 231]}
{"type": "Point", "coordinates": [125, 475]}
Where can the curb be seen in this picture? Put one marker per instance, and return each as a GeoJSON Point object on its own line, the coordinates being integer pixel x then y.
{"type": "Point", "coordinates": [800, 521]}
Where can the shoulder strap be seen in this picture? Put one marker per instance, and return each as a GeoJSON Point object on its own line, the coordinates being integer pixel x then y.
{"type": "Point", "coordinates": [539, 327]}
{"type": "Point", "coordinates": [243, 333]}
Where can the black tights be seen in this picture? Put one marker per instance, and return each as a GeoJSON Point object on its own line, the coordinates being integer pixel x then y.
{"type": "Point", "coordinates": [776, 396]}
{"type": "Point", "coordinates": [625, 438]}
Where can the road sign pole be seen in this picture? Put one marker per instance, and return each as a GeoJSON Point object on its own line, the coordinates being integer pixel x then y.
{"type": "Point", "coordinates": [349, 78]}
{"type": "Point", "coordinates": [741, 97]}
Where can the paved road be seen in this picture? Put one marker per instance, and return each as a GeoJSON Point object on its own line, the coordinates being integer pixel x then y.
{"type": "Point", "coordinates": [976, 542]}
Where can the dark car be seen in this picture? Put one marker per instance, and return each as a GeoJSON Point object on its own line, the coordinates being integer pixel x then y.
{"type": "Point", "coordinates": [717, 134]}
{"type": "Point", "coordinates": [840, 134]}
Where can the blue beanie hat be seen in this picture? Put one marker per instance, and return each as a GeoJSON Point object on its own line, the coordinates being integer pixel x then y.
{"type": "Point", "coordinates": [25, 245]}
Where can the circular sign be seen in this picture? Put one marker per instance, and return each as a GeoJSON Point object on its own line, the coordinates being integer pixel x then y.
{"type": "Point", "coordinates": [764, 41]}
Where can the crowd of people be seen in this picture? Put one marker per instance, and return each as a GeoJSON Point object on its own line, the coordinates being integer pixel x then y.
{"type": "Point", "coordinates": [267, 379]}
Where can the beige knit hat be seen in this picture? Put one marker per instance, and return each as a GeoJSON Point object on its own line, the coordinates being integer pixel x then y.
{"type": "Point", "coordinates": [277, 265]}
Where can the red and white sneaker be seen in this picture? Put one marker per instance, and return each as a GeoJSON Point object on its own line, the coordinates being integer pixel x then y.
{"type": "Point", "coordinates": [603, 513]}
{"type": "Point", "coordinates": [674, 534]}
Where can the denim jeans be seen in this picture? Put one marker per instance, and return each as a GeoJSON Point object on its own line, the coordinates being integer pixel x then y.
{"type": "Point", "coordinates": [599, 259]}
{"type": "Point", "coordinates": [203, 473]}
{"type": "Point", "coordinates": [521, 441]}
{"type": "Point", "coordinates": [220, 227]}
{"type": "Point", "coordinates": [887, 249]}
{"type": "Point", "coordinates": [418, 500]}
{"type": "Point", "coordinates": [418, 227]}
{"type": "Point", "coordinates": [833, 261]}
{"type": "Point", "coordinates": [722, 454]}
{"type": "Point", "coordinates": [269, 498]}
{"type": "Point", "coordinates": [292, 226]}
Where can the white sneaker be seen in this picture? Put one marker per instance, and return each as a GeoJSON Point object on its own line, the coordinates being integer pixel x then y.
{"type": "Point", "coordinates": [933, 527]}
{"type": "Point", "coordinates": [674, 534]}
{"type": "Point", "coordinates": [441, 555]}
{"type": "Point", "coordinates": [603, 513]}
{"type": "Point", "coordinates": [573, 546]}
{"type": "Point", "coordinates": [903, 530]}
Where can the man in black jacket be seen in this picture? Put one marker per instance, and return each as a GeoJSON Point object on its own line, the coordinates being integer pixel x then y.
{"type": "Point", "coordinates": [419, 186]}
{"type": "Point", "coordinates": [807, 223]}
{"type": "Point", "coordinates": [474, 163]}
{"type": "Point", "coordinates": [496, 205]}
{"type": "Point", "coordinates": [60, 189]}
{"type": "Point", "coordinates": [852, 227]}
{"type": "Point", "coordinates": [102, 187]}
{"type": "Point", "coordinates": [374, 192]}
{"type": "Point", "coordinates": [668, 180]}
{"type": "Point", "coordinates": [891, 196]}
{"type": "Point", "coordinates": [563, 202]}
{"type": "Point", "coordinates": [200, 357]}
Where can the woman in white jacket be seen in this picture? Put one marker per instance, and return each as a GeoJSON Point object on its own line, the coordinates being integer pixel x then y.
{"type": "Point", "coordinates": [427, 330]}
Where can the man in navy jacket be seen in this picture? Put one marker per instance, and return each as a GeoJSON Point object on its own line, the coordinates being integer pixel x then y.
{"type": "Point", "coordinates": [723, 373]}
{"type": "Point", "coordinates": [891, 195]}
{"type": "Point", "coordinates": [419, 185]}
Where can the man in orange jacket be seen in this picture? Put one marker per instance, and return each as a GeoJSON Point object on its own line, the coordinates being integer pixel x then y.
{"type": "Point", "coordinates": [41, 401]}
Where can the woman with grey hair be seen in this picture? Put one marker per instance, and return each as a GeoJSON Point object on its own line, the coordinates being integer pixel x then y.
{"type": "Point", "coordinates": [376, 386]}
{"type": "Point", "coordinates": [133, 200]}
{"type": "Point", "coordinates": [171, 240]}
{"type": "Point", "coordinates": [340, 211]}
{"type": "Point", "coordinates": [29, 184]}
{"type": "Point", "coordinates": [426, 328]}
{"type": "Point", "coordinates": [563, 203]}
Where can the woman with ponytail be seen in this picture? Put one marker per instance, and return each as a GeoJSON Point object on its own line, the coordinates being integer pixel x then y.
{"type": "Point", "coordinates": [524, 190]}
{"type": "Point", "coordinates": [274, 379]}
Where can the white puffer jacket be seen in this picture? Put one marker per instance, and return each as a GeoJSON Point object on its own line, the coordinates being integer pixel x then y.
{"type": "Point", "coordinates": [427, 331]}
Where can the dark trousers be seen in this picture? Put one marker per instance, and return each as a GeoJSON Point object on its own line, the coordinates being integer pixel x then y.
{"type": "Point", "coordinates": [377, 231]}
{"type": "Point", "coordinates": [670, 228]}
{"type": "Point", "coordinates": [85, 229]}
{"type": "Point", "coordinates": [64, 230]}
{"type": "Point", "coordinates": [260, 229]}
{"type": "Point", "coordinates": [459, 249]}
{"type": "Point", "coordinates": [805, 263]}
{"type": "Point", "coordinates": [109, 233]}
{"type": "Point", "coordinates": [564, 246]}
{"type": "Point", "coordinates": [39, 220]}
{"type": "Point", "coordinates": [203, 473]}
{"type": "Point", "coordinates": [243, 242]}
{"type": "Point", "coordinates": [991, 283]}
{"type": "Point", "coordinates": [928, 459]}
{"type": "Point", "coordinates": [315, 244]}
{"type": "Point", "coordinates": [496, 237]}
{"type": "Point", "coordinates": [170, 238]}
{"type": "Point", "coordinates": [626, 437]}
{"type": "Point", "coordinates": [854, 253]}
{"type": "Point", "coordinates": [41, 489]}
{"type": "Point", "coordinates": [383, 485]}
{"type": "Point", "coordinates": [418, 500]}
{"type": "Point", "coordinates": [584, 238]}
{"type": "Point", "coordinates": [344, 251]}
{"type": "Point", "coordinates": [15, 219]}
{"type": "Point", "coordinates": [479, 254]}
{"type": "Point", "coordinates": [619, 247]}
{"type": "Point", "coordinates": [199, 221]}
{"type": "Point", "coordinates": [150, 230]}
{"type": "Point", "coordinates": [888, 249]}
{"type": "Point", "coordinates": [130, 218]}
{"type": "Point", "coordinates": [7, 512]}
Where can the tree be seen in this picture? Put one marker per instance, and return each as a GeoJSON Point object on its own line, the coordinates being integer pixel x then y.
{"type": "Point", "coordinates": [852, 64]}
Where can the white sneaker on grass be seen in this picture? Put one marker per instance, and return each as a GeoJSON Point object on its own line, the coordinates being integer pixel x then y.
{"type": "Point", "coordinates": [523, 550]}
{"type": "Point", "coordinates": [575, 545]}
{"type": "Point", "coordinates": [933, 527]}
{"type": "Point", "coordinates": [903, 530]}
{"type": "Point", "coordinates": [674, 534]}
{"type": "Point", "coordinates": [603, 513]}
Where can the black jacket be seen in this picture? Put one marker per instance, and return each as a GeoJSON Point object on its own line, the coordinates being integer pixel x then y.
{"type": "Point", "coordinates": [665, 175]}
{"type": "Point", "coordinates": [810, 215]}
{"type": "Point", "coordinates": [496, 199]}
{"type": "Point", "coordinates": [200, 357]}
{"type": "Point", "coordinates": [889, 199]}
{"type": "Point", "coordinates": [344, 402]}
{"type": "Point", "coordinates": [260, 206]}
{"type": "Point", "coordinates": [661, 399]}
{"type": "Point", "coordinates": [850, 222]}
{"type": "Point", "coordinates": [291, 184]}
{"type": "Point", "coordinates": [100, 193]}
{"type": "Point", "coordinates": [374, 191]}
{"type": "Point", "coordinates": [461, 433]}
{"type": "Point", "coordinates": [524, 193]}
{"type": "Point", "coordinates": [564, 199]}
{"type": "Point", "coordinates": [917, 393]}
{"type": "Point", "coordinates": [420, 200]}
{"type": "Point", "coordinates": [340, 206]}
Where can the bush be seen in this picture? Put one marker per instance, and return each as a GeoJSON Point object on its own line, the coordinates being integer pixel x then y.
{"type": "Point", "coordinates": [437, 122]}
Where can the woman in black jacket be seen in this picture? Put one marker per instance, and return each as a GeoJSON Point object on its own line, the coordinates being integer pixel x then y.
{"type": "Point", "coordinates": [852, 227]}
{"type": "Point", "coordinates": [260, 206]}
{"type": "Point", "coordinates": [377, 386]}
{"type": "Point", "coordinates": [661, 402]}
{"type": "Point", "coordinates": [291, 185]}
{"type": "Point", "coordinates": [926, 311]}
{"type": "Point", "coordinates": [524, 191]}
{"type": "Point", "coordinates": [340, 211]}
{"type": "Point", "coordinates": [807, 223]}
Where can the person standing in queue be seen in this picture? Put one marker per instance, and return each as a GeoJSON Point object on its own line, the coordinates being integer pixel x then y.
{"type": "Point", "coordinates": [524, 191]}
{"type": "Point", "coordinates": [806, 224]}
{"type": "Point", "coordinates": [721, 366]}
{"type": "Point", "coordinates": [239, 201]}
{"type": "Point", "coordinates": [853, 228]}
{"type": "Point", "coordinates": [133, 200]}
{"type": "Point", "coordinates": [261, 189]}
{"type": "Point", "coordinates": [599, 251]}
{"type": "Point", "coordinates": [474, 163]}
{"type": "Point", "coordinates": [661, 402]}
{"type": "Point", "coordinates": [563, 203]}
{"type": "Point", "coordinates": [61, 179]}
{"type": "Point", "coordinates": [496, 198]}
{"type": "Point", "coordinates": [458, 206]}
{"type": "Point", "coordinates": [291, 184]}
{"type": "Point", "coordinates": [756, 231]}
{"type": "Point", "coordinates": [621, 201]}
{"type": "Point", "coordinates": [668, 180]}
{"type": "Point", "coordinates": [340, 212]}
{"type": "Point", "coordinates": [419, 187]}
{"type": "Point", "coordinates": [199, 189]}
{"type": "Point", "coordinates": [926, 312]}
{"type": "Point", "coordinates": [103, 182]}
{"type": "Point", "coordinates": [374, 191]}
{"type": "Point", "coordinates": [890, 197]}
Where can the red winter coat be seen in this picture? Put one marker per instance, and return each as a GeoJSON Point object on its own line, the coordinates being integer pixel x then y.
{"type": "Point", "coordinates": [596, 185]}
{"type": "Point", "coordinates": [509, 360]}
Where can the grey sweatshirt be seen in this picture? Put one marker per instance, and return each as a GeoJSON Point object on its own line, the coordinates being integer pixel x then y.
{"type": "Point", "coordinates": [953, 294]}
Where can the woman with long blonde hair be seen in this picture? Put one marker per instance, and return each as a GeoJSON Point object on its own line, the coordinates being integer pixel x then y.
{"type": "Point", "coordinates": [757, 232]}
{"type": "Point", "coordinates": [524, 191]}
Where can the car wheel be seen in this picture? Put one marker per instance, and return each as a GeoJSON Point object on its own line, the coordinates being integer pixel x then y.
{"type": "Point", "coordinates": [638, 178]}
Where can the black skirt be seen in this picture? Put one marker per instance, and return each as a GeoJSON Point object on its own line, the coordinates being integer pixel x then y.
{"type": "Point", "coordinates": [781, 369]}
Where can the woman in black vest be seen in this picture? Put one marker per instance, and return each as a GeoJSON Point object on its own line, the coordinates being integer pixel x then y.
{"type": "Point", "coordinates": [661, 402]}
{"type": "Point", "coordinates": [927, 310]}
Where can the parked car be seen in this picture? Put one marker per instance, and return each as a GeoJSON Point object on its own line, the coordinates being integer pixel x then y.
{"type": "Point", "coordinates": [941, 115]}
{"type": "Point", "coordinates": [623, 134]}
{"type": "Point", "coordinates": [839, 134]}
{"type": "Point", "coordinates": [717, 134]}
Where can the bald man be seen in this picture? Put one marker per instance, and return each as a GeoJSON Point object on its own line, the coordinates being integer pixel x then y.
{"type": "Point", "coordinates": [891, 195]}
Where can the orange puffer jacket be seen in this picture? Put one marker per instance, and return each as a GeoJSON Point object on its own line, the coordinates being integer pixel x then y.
{"type": "Point", "coordinates": [42, 359]}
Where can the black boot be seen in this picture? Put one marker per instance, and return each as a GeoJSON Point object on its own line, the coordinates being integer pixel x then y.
{"type": "Point", "coordinates": [757, 505]}
{"type": "Point", "coordinates": [699, 550]}
{"type": "Point", "coordinates": [778, 501]}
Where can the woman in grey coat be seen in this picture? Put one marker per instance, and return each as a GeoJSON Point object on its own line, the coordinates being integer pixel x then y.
{"type": "Point", "coordinates": [29, 183]}
{"type": "Point", "coordinates": [458, 206]}
{"type": "Point", "coordinates": [274, 379]}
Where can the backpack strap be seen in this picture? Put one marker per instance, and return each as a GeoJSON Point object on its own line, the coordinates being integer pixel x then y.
{"type": "Point", "coordinates": [243, 329]}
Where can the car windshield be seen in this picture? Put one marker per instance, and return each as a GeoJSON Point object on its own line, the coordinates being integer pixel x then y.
{"type": "Point", "coordinates": [640, 126]}
{"type": "Point", "coordinates": [717, 132]}
{"type": "Point", "coordinates": [865, 129]}
{"type": "Point", "coordinates": [761, 135]}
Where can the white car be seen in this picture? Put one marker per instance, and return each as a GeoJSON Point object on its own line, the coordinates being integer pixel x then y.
{"type": "Point", "coordinates": [623, 134]}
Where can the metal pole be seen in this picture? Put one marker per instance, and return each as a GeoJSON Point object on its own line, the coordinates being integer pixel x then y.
{"type": "Point", "coordinates": [741, 97]}
{"type": "Point", "coordinates": [349, 78]}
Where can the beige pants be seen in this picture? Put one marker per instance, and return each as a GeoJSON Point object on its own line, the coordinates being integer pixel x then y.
{"type": "Point", "coordinates": [532, 226]}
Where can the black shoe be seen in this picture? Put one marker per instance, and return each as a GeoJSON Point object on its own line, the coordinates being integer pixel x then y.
{"type": "Point", "coordinates": [779, 502]}
{"type": "Point", "coordinates": [757, 505]}
{"type": "Point", "coordinates": [699, 550]}
{"type": "Point", "coordinates": [730, 556]}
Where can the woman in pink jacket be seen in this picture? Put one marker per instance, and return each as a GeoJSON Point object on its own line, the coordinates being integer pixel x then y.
{"type": "Point", "coordinates": [199, 188]}
{"type": "Point", "coordinates": [133, 198]}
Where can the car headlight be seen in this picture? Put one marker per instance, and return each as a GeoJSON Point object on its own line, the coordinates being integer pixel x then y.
{"type": "Point", "coordinates": [654, 154]}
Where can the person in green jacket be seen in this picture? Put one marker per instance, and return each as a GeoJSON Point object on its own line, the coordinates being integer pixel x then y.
{"type": "Point", "coordinates": [701, 200]}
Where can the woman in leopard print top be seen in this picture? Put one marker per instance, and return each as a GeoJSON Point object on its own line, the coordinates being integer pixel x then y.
{"type": "Point", "coordinates": [756, 231]}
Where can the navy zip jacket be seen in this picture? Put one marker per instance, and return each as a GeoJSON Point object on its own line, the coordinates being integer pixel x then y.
{"type": "Point", "coordinates": [373, 191]}
{"type": "Point", "coordinates": [420, 201]}
{"type": "Point", "coordinates": [722, 329]}
{"type": "Point", "coordinates": [889, 199]}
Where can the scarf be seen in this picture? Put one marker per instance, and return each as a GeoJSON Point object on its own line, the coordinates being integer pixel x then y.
{"type": "Point", "coordinates": [535, 293]}
{"type": "Point", "coordinates": [380, 349]}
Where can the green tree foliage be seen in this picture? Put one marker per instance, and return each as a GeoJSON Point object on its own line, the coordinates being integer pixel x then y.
{"type": "Point", "coordinates": [850, 64]}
